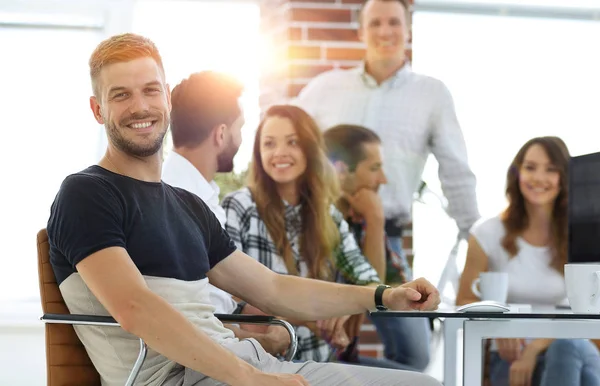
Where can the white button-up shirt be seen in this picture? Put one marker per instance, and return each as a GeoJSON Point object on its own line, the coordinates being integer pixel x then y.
{"type": "Point", "coordinates": [179, 172]}
{"type": "Point", "coordinates": [414, 116]}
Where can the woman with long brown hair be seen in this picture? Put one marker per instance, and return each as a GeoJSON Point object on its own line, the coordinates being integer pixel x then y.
{"type": "Point", "coordinates": [528, 241]}
{"type": "Point", "coordinates": [287, 220]}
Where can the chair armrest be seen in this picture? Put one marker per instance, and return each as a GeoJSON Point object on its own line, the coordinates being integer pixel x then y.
{"type": "Point", "coordinates": [264, 319]}
{"type": "Point", "coordinates": [80, 319]}
{"type": "Point", "coordinates": [224, 318]}
{"type": "Point", "coordinates": [93, 320]}
{"type": "Point", "coordinates": [245, 319]}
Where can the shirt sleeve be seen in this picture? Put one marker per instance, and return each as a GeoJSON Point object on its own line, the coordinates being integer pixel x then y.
{"type": "Point", "coordinates": [310, 98]}
{"type": "Point", "coordinates": [234, 212]}
{"type": "Point", "coordinates": [350, 261]}
{"type": "Point", "coordinates": [86, 217]}
{"type": "Point", "coordinates": [489, 233]}
{"type": "Point", "coordinates": [449, 148]}
{"type": "Point", "coordinates": [219, 243]}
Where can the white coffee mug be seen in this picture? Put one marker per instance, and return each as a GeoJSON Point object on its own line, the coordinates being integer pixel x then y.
{"type": "Point", "coordinates": [493, 286]}
{"type": "Point", "coordinates": [583, 287]}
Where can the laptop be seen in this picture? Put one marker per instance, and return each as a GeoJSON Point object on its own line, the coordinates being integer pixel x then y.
{"type": "Point", "coordinates": [584, 209]}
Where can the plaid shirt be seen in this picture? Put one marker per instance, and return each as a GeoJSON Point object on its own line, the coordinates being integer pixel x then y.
{"type": "Point", "coordinates": [248, 231]}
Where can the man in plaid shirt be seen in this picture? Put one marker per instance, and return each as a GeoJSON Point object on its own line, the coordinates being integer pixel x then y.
{"type": "Point", "coordinates": [355, 152]}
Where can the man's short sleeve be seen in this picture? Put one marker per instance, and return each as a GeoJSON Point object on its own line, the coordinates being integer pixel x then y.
{"type": "Point", "coordinates": [219, 244]}
{"type": "Point", "coordinates": [86, 217]}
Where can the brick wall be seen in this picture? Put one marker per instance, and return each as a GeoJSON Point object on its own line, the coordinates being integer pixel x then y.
{"type": "Point", "coordinates": [305, 38]}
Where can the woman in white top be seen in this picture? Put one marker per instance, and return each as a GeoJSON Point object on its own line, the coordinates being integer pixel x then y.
{"type": "Point", "coordinates": [529, 242]}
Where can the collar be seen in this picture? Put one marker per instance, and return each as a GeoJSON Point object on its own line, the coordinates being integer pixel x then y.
{"type": "Point", "coordinates": [178, 171]}
{"type": "Point", "coordinates": [395, 80]}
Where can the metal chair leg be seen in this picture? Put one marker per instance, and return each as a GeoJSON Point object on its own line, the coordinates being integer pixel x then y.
{"type": "Point", "coordinates": [137, 366]}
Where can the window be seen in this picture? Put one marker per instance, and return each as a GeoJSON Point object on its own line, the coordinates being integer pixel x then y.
{"type": "Point", "coordinates": [194, 36]}
{"type": "Point", "coordinates": [48, 128]}
{"type": "Point", "coordinates": [48, 133]}
{"type": "Point", "coordinates": [512, 78]}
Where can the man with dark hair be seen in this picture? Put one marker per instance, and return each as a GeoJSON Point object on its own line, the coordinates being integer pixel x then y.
{"type": "Point", "coordinates": [355, 152]}
{"type": "Point", "coordinates": [413, 114]}
{"type": "Point", "coordinates": [206, 122]}
{"type": "Point", "coordinates": [124, 243]}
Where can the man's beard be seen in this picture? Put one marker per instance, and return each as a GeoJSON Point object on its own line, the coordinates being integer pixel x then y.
{"type": "Point", "coordinates": [225, 159]}
{"type": "Point", "coordinates": [130, 147]}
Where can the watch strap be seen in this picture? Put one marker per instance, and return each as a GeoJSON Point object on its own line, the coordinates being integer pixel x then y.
{"type": "Point", "coordinates": [379, 297]}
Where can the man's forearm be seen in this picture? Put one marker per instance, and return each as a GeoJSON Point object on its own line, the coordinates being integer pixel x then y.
{"type": "Point", "coordinates": [459, 190]}
{"type": "Point", "coordinates": [168, 332]}
{"type": "Point", "coordinates": [305, 299]}
{"type": "Point", "coordinates": [374, 246]}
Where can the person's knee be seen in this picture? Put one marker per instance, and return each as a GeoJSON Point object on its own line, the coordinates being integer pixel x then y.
{"type": "Point", "coordinates": [420, 359]}
{"type": "Point", "coordinates": [569, 347]}
{"type": "Point", "coordinates": [417, 356]}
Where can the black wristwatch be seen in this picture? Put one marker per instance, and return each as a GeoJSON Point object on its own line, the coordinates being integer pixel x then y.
{"type": "Point", "coordinates": [379, 297]}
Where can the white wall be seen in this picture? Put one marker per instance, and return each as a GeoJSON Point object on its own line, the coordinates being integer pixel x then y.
{"type": "Point", "coordinates": [22, 344]}
{"type": "Point", "coordinates": [22, 355]}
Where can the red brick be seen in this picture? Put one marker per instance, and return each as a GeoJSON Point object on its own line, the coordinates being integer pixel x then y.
{"type": "Point", "coordinates": [369, 337]}
{"type": "Point", "coordinates": [321, 15]}
{"type": "Point", "coordinates": [333, 34]}
{"type": "Point", "coordinates": [294, 89]}
{"type": "Point", "coordinates": [345, 53]}
{"type": "Point", "coordinates": [295, 33]}
{"type": "Point", "coordinates": [307, 70]}
{"type": "Point", "coordinates": [304, 52]}
{"type": "Point", "coordinates": [369, 353]}
{"type": "Point", "coordinates": [407, 242]}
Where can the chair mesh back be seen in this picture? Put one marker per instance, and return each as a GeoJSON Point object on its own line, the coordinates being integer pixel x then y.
{"type": "Point", "coordinates": [67, 362]}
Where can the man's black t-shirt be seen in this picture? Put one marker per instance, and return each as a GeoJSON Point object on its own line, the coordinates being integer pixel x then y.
{"type": "Point", "coordinates": [167, 231]}
{"type": "Point", "coordinates": [171, 236]}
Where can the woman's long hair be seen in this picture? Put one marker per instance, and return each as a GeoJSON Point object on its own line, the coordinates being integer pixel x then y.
{"type": "Point", "coordinates": [318, 190]}
{"type": "Point", "coordinates": [515, 216]}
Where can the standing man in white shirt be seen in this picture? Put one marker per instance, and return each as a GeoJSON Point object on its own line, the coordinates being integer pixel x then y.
{"type": "Point", "coordinates": [206, 123]}
{"type": "Point", "coordinates": [413, 115]}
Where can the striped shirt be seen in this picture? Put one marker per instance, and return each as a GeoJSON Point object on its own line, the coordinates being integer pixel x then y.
{"type": "Point", "coordinates": [248, 231]}
{"type": "Point", "coordinates": [414, 115]}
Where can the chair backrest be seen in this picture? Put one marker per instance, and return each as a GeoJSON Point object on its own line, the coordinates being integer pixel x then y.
{"type": "Point", "coordinates": [67, 362]}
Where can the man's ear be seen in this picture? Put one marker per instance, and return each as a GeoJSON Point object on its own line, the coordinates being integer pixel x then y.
{"type": "Point", "coordinates": [168, 92]}
{"type": "Point", "coordinates": [96, 109]}
{"type": "Point", "coordinates": [341, 168]}
{"type": "Point", "coordinates": [219, 135]}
